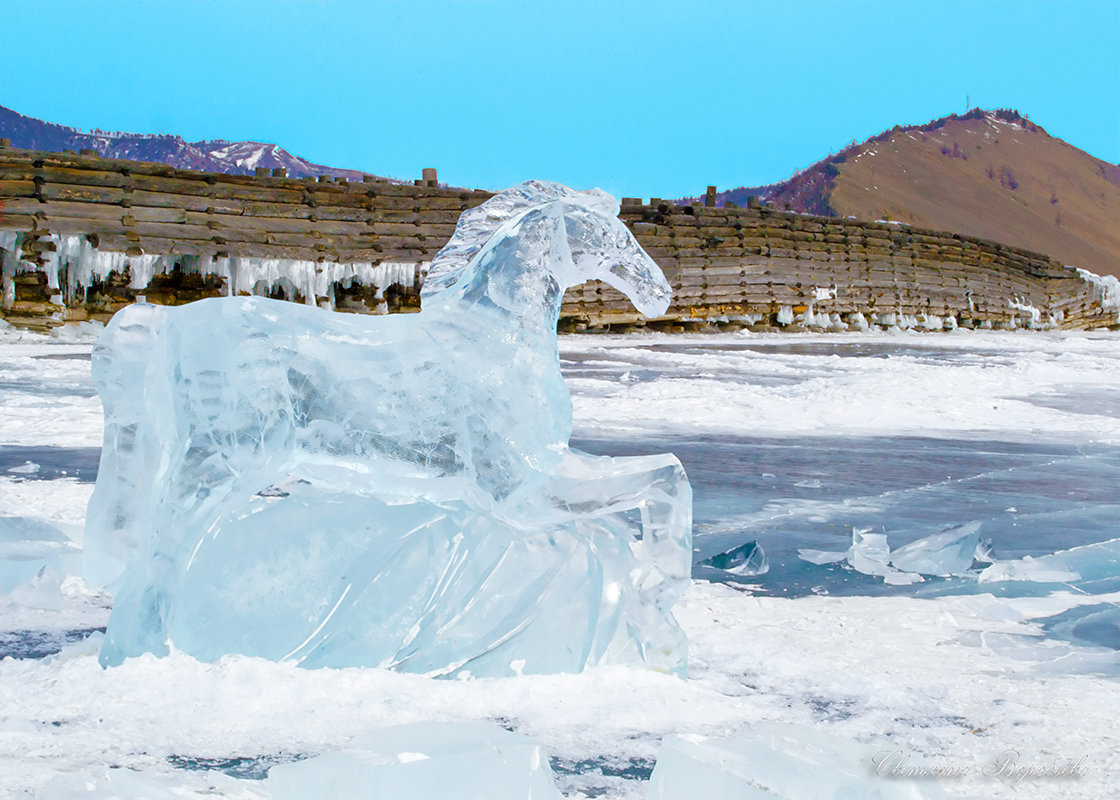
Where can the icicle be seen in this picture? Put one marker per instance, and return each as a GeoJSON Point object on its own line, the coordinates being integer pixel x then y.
{"type": "Point", "coordinates": [75, 264]}
{"type": "Point", "coordinates": [10, 240]}
{"type": "Point", "coordinates": [9, 260]}
{"type": "Point", "coordinates": [1107, 290]}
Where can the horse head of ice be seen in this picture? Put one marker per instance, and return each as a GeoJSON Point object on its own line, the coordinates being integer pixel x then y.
{"type": "Point", "coordinates": [545, 232]}
{"type": "Point", "coordinates": [398, 491]}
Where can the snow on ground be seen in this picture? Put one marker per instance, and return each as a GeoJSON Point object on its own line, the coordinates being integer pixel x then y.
{"type": "Point", "coordinates": [963, 679]}
{"type": "Point", "coordinates": [46, 395]}
{"type": "Point", "coordinates": [995, 385]}
{"type": "Point", "coordinates": [899, 672]}
{"type": "Point", "coordinates": [59, 501]}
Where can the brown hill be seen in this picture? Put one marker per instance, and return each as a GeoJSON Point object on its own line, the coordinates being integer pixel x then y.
{"type": "Point", "coordinates": [992, 174]}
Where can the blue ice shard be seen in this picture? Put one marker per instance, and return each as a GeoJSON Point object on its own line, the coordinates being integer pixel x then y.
{"type": "Point", "coordinates": [747, 560]}
{"type": "Point", "coordinates": [949, 552]}
{"type": "Point", "coordinates": [398, 491]}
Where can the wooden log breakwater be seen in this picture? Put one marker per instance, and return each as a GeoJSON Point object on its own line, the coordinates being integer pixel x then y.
{"type": "Point", "coordinates": [758, 265]}
{"type": "Point", "coordinates": [177, 235]}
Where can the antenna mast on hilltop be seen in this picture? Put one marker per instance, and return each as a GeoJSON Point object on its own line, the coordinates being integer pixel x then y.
{"type": "Point", "coordinates": [967, 104]}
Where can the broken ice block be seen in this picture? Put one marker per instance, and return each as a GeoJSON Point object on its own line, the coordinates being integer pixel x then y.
{"type": "Point", "coordinates": [121, 783]}
{"type": "Point", "coordinates": [424, 761]}
{"type": "Point", "coordinates": [985, 552]}
{"type": "Point", "coordinates": [821, 556]}
{"type": "Point", "coordinates": [869, 552]}
{"type": "Point", "coordinates": [779, 762]}
{"type": "Point", "coordinates": [1093, 568]}
{"type": "Point", "coordinates": [1028, 568]}
{"type": "Point", "coordinates": [899, 578]}
{"type": "Point", "coordinates": [397, 491]}
{"type": "Point", "coordinates": [1096, 625]}
{"type": "Point", "coordinates": [43, 591]}
{"type": "Point", "coordinates": [949, 552]}
{"type": "Point", "coordinates": [747, 559]}
{"type": "Point", "coordinates": [27, 545]}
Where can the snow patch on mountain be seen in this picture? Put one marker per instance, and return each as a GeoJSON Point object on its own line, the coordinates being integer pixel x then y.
{"type": "Point", "coordinates": [214, 155]}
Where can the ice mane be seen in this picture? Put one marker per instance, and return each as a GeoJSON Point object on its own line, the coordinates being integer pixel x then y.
{"type": "Point", "coordinates": [478, 225]}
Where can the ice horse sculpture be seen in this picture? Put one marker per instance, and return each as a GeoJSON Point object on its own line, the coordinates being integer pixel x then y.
{"type": "Point", "coordinates": [342, 490]}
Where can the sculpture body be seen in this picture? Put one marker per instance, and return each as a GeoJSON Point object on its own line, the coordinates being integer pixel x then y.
{"type": "Point", "coordinates": [343, 490]}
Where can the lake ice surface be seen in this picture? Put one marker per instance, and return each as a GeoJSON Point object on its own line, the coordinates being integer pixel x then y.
{"type": "Point", "coordinates": [788, 440]}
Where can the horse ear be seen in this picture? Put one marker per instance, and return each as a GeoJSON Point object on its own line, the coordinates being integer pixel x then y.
{"type": "Point", "coordinates": [477, 225]}
{"type": "Point", "coordinates": [603, 202]}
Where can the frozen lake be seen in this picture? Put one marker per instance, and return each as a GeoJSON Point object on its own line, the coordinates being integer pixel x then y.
{"type": "Point", "coordinates": [810, 491]}
{"type": "Point", "coordinates": [788, 440]}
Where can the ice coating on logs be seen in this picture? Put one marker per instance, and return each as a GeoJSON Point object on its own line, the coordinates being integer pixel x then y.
{"type": "Point", "coordinates": [339, 490]}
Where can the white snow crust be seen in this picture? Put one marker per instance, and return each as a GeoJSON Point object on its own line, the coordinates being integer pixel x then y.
{"type": "Point", "coordinates": [958, 682]}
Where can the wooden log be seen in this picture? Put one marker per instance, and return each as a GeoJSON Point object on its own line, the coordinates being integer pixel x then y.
{"type": "Point", "coordinates": [722, 231]}
{"type": "Point", "coordinates": [17, 188]}
{"type": "Point", "coordinates": [109, 218]}
{"type": "Point", "coordinates": [332, 194]}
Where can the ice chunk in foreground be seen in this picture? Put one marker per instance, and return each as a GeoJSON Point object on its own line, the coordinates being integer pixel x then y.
{"type": "Point", "coordinates": [398, 491]}
{"type": "Point", "coordinates": [778, 762]}
{"type": "Point", "coordinates": [43, 591]}
{"type": "Point", "coordinates": [949, 552]}
{"type": "Point", "coordinates": [28, 545]}
{"type": "Point", "coordinates": [120, 783]}
{"type": "Point", "coordinates": [425, 761]}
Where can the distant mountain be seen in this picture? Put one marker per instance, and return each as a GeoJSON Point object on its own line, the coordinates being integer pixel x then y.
{"type": "Point", "coordinates": [992, 174]}
{"type": "Point", "coordinates": [215, 155]}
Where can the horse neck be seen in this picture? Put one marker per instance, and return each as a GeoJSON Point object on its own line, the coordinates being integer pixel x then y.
{"type": "Point", "coordinates": [504, 281]}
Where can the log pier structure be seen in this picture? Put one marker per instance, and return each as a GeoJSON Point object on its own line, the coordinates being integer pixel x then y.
{"type": "Point", "coordinates": [171, 236]}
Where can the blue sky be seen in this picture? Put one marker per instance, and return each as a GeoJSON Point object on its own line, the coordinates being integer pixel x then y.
{"type": "Point", "coordinates": [640, 97]}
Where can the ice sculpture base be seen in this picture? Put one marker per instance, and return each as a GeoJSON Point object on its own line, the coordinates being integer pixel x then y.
{"type": "Point", "coordinates": [332, 579]}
